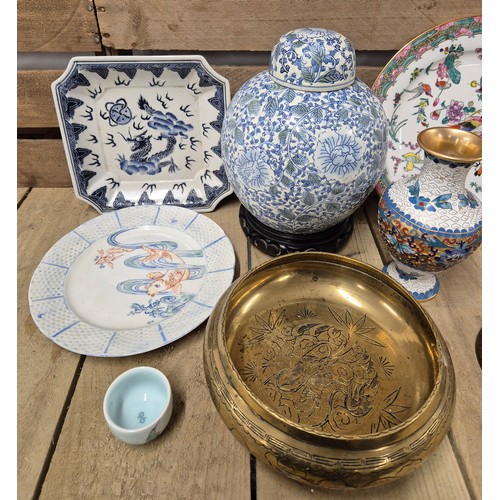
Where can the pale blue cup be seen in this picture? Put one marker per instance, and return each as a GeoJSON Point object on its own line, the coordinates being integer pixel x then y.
{"type": "Point", "coordinates": [138, 405]}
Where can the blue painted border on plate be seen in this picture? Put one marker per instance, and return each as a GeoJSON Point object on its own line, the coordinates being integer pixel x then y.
{"type": "Point", "coordinates": [73, 78]}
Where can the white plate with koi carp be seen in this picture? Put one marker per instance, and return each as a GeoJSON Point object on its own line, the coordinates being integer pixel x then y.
{"type": "Point", "coordinates": [131, 281]}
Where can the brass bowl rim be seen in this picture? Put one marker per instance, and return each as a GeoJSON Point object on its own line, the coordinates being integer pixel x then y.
{"type": "Point", "coordinates": [219, 320]}
{"type": "Point", "coordinates": [450, 157]}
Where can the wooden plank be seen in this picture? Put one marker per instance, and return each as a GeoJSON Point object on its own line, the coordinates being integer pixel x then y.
{"type": "Point", "coordinates": [21, 192]}
{"type": "Point", "coordinates": [56, 26]}
{"type": "Point", "coordinates": [44, 370]}
{"type": "Point", "coordinates": [35, 104]}
{"type": "Point", "coordinates": [440, 473]}
{"type": "Point", "coordinates": [42, 163]}
{"type": "Point", "coordinates": [257, 25]}
{"type": "Point", "coordinates": [197, 457]}
{"type": "Point", "coordinates": [457, 312]}
{"type": "Point", "coordinates": [360, 245]}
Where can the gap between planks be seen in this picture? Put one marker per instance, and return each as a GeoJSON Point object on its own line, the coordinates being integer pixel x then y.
{"type": "Point", "coordinates": [58, 428]}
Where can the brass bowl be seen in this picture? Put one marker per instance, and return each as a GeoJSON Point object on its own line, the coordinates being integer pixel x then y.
{"type": "Point", "coordinates": [329, 371]}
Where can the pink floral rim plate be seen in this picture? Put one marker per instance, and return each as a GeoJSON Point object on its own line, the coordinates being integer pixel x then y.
{"type": "Point", "coordinates": [433, 81]}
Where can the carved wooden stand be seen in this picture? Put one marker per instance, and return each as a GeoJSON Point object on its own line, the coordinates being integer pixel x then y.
{"type": "Point", "coordinates": [276, 243]}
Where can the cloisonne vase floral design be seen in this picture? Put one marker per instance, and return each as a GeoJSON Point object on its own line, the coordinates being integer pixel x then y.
{"type": "Point", "coordinates": [304, 143]}
{"type": "Point", "coordinates": [430, 221]}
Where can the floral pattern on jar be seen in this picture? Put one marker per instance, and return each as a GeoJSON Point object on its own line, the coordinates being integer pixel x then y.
{"type": "Point", "coordinates": [302, 162]}
{"type": "Point", "coordinates": [420, 247]}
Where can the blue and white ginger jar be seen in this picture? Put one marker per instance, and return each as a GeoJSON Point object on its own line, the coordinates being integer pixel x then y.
{"type": "Point", "coordinates": [304, 142]}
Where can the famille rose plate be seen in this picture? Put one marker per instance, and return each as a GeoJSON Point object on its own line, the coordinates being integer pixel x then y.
{"type": "Point", "coordinates": [433, 81]}
{"type": "Point", "coordinates": [131, 280]}
{"type": "Point", "coordinates": [143, 130]}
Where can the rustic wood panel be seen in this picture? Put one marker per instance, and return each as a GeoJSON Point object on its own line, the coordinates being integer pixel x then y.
{"type": "Point", "coordinates": [371, 206]}
{"type": "Point", "coordinates": [257, 25]}
{"type": "Point", "coordinates": [35, 104]}
{"type": "Point", "coordinates": [21, 192]}
{"type": "Point", "coordinates": [457, 313]}
{"type": "Point", "coordinates": [56, 26]}
{"type": "Point", "coordinates": [197, 457]}
{"type": "Point", "coordinates": [45, 371]}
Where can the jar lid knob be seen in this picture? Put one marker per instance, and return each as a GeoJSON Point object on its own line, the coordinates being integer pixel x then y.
{"type": "Point", "coordinates": [313, 59]}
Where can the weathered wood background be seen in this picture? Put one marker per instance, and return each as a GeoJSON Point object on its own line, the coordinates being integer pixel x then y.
{"type": "Point", "coordinates": [54, 30]}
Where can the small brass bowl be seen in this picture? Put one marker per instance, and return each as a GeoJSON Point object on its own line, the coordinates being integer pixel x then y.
{"type": "Point", "coordinates": [329, 371]}
{"type": "Point", "coordinates": [451, 144]}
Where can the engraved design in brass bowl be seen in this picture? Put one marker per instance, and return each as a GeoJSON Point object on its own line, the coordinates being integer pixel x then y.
{"type": "Point", "coordinates": [320, 374]}
{"type": "Point", "coordinates": [329, 371]}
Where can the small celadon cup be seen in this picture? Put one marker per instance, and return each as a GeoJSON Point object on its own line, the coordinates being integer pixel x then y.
{"type": "Point", "coordinates": [138, 405]}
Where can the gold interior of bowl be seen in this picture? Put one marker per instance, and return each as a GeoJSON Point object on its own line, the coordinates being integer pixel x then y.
{"type": "Point", "coordinates": [451, 144]}
{"type": "Point", "coordinates": [326, 346]}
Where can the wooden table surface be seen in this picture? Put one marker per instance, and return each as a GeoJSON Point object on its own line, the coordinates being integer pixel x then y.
{"type": "Point", "coordinates": [65, 449]}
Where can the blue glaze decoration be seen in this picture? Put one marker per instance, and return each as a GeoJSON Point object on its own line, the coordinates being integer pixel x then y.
{"type": "Point", "coordinates": [313, 58]}
{"type": "Point", "coordinates": [300, 157]}
{"type": "Point", "coordinates": [143, 130]}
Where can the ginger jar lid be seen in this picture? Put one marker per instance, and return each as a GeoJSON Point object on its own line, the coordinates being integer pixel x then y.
{"type": "Point", "coordinates": [313, 59]}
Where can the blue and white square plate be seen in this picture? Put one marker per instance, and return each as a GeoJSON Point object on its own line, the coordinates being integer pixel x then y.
{"type": "Point", "coordinates": [130, 281]}
{"type": "Point", "coordinates": [143, 130]}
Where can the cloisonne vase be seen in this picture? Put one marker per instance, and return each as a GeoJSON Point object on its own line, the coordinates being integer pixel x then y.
{"type": "Point", "coordinates": [304, 143]}
{"type": "Point", "coordinates": [431, 222]}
